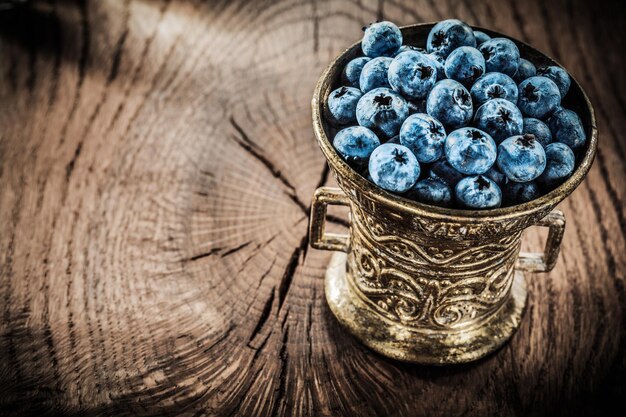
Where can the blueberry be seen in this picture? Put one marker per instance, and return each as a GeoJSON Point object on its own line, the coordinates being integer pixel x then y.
{"type": "Point", "coordinates": [450, 103]}
{"type": "Point", "coordinates": [470, 151]}
{"type": "Point", "coordinates": [501, 55]}
{"type": "Point", "coordinates": [431, 191]}
{"type": "Point", "coordinates": [341, 105]}
{"type": "Point", "coordinates": [395, 139]}
{"type": "Point", "coordinates": [439, 62]}
{"type": "Point", "coordinates": [424, 136]}
{"type": "Point", "coordinates": [393, 167]}
{"type": "Point", "coordinates": [494, 85]}
{"type": "Point", "coordinates": [448, 35]}
{"type": "Point", "coordinates": [374, 74]}
{"type": "Point", "coordinates": [381, 39]}
{"type": "Point", "coordinates": [539, 129]}
{"type": "Point", "coordinates": [499, 118]}
{"type": "Point", "coordinates": [352, 71]}
{"type": "Point", "coordinates": [567, 128]}
{"type": "Point", "coordinates": [443, 171]}
{"type": "Point", "coordinates": [559, 76]}
{"type": "Point", "coordinates": [496, 176]}
{"type": "Point", "coordinates": [481, 37]}
{"type": "Point", "coordinates": [525, 70]}
{"type": "Point", "coordinates": [559, 166]}
{"type": "Point", "coordinates": [520, 192]}
{"type": "Point", "coordinates": [383, 111]}
{"type": "Point", "coordinates": [478, 192]}
{"type": "Point", "coordinates": [406, 48]}
{"type": "Point", "coordinates": [412, 74]}
{"type": "Point", "coordinates": [465, 65]}
{"type": "Point", "coordinates": [538, 97]}
{"type": "Point", "coordinates": [521, 158]}
{"type": "Point", "coordinates": [355, 144]}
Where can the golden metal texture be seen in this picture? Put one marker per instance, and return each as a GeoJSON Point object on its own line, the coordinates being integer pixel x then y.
{"type": "Point", "coordinates": [427, 284]}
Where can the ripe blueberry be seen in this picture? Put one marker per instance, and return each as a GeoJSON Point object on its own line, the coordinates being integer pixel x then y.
{"type": "Point", "coordinates": [478, 192]}
{"type": "Point", "coordinates": [382, 110]}
{"type": "Point", "coordinates": [521, 158]}
{"type": "Point", "coordinates": [538, 97]}
{"type": "Point", "coordinates": [340, 107]}
{"type": "Point", "coordinates": [465, 65]}
{"type": "Point", "coordinates": [450, 103]}
{"type": "Point", "coordinates": [393, 167]}
{"type": "Point", "coordinates": [412, 74]}
{"type": "Point", "coordinates": [431, 191]}
{"type": "Point", "coordinates": [352, 71]}
{"type": "Point", "coordinates": [448, 35]}
{"type": "Point", "coordinates": [539, 129]}
{"type": "Point", "coordinates": [381, 39]}
{"type": "Point", "coordinates": [494, 85]}
{"type": "Point", "coordinates": [501, 55]}
{"type": "Point", "coordinates": [567, 128]}
{"type": "Point", "coordinates": [355, 144]}
{"type": "Point", "coordinates": [470, 151]}
{"type": "Point", "coordinates": [374, 74]}
{"type": "Point", "coordinates": [424, 136]}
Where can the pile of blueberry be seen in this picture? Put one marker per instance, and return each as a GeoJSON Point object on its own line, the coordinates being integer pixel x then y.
{"type": "Point", "coordinates": [464, 123]}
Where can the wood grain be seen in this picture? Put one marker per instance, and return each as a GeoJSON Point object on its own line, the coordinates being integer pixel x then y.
{"type": "Point", "coordinates": [157, 163]}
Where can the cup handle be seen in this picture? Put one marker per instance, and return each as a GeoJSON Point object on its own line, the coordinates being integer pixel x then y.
{"type": "Point", "coordinates": [544, 262]}
{"type": "Point", "coordinates": [323, 197]}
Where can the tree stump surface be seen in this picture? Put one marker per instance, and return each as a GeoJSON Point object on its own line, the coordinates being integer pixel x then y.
{"type": "Point", "coordinates": [157, 163]}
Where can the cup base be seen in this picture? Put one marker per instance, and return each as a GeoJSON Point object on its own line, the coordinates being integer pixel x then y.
{"type": "Point", "coordinates": [426, 347]}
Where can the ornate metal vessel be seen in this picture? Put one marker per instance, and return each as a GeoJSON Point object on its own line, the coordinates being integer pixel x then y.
{"type": "Point", "coordinates": [427, 284]}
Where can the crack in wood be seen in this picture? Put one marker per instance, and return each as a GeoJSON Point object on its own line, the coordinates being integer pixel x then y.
{"type": "Point", "coordinates": [235, 249]}
{"type": "Point", "coordinates": [265, 313]}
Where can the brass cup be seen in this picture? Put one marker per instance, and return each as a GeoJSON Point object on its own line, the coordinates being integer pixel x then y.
{"type": "Point", "coordinates": [426, 284]}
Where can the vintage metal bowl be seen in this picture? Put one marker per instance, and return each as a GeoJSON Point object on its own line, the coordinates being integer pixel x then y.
{"type": "Point", "coordinates": [426, 284]}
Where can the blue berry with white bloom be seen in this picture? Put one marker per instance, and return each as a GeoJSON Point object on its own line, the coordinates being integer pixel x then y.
{"type": "Point", "coordinates": [341, 105]}
{"type": "Point", "coordinates": [374, 74]}
{"type": "Point", "coordinates": [559, 166]}
{"type": "Point", "coordinates": [538, 97]}
{"type": "Point", "coordinates": [450, 103]}
{"type": "Point", "coordinates": [465, 65]}
{"type": "Point", "coordinates": [394, 167]}
{"type": "Point", "coordinates": [383, 111]}
{"type": "Point", "coordinates": [351, 73]}
{"type": "Point", "coordinates": [412, 74]}
{"type": "Point", "coordinates": [521, 158]}
{"type": "Point", "coordinates": [520, 192]}
{"type": "Point", "coordinates": [525, 70]}
{"type": "Point", "coordinates": [494, 85]}
{"type": "Point", "coordinates": [448, 35]}
{"type": "Point", "coordinates": [443, 171]}
{"type": "Point", "coordinates": [355, 144]}
{"type": "Point", "coordinates": [538, 129]}
{"type": "Point", "coordinates": [478, 192]}
{"type": "Point", "coordinates": [431, 191]}
{"type": "Point", "coordinates": [439, 62]}
{"type": "Point", "coordinates": [481, 37]}
{"type": "Point", "coordinates": [381, 39]}
{"type": "Point", "coordinates": [560, 77]}
{"type": "Point", "coordinates": [424, 136]}
{"type": "Point", "coordinates": [567, 128]}
{"type": "Point", "coordinates": [496, 176]}
{"type": "Point", "coordinates": [501, 55]}
{"type": "Point", "coordinates": [499, 118]}
{"type": "Point", "coordinates": [470, 151]}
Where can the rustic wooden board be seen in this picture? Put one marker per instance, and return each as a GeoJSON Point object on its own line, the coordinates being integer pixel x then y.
{"type": "Point", "coordinates": [156, 167]}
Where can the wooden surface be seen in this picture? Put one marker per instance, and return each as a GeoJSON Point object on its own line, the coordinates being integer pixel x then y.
{"type": "Point", "coordinates": [157, 163]}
